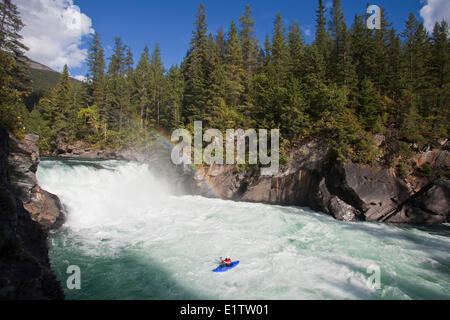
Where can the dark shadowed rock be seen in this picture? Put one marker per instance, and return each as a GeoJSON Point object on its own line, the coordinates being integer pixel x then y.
{"type": "Point", "coordinates": [372, 190]}
{"type": "Point", "coordinates": [24, 263]}
{"type": "Point", "coordinates": [428, 206]}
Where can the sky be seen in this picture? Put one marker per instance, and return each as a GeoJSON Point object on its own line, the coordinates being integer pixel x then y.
{"type": "Point", "coordinates": [56, 31]}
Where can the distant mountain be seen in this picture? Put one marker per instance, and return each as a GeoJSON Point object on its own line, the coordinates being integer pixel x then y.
{"type": "Point", "coordinates": [38, 66]}
{"type": "Point", "coordinates": [44, 79]}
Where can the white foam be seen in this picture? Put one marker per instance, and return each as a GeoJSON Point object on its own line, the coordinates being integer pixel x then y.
{"type": "Point", "coordinates": [285, 253]}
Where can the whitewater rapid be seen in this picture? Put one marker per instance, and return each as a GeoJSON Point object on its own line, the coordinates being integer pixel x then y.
{"type": "Point", "coordinates": [133, 239]}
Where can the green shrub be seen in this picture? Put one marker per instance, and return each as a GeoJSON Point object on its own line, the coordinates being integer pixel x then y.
{"type": "Point", "coordinates": [425, 170]}
{"type": "Point", "coordinates": [402, 170]}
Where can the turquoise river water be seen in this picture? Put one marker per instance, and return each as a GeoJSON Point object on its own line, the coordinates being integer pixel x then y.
{"type": "Point", "coordinates": [133, 239]}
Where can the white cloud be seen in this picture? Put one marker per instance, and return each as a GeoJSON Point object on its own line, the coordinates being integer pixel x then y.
{"type": "Point", "coordinates": [435, 11]}
{"type": "Point", "coordinates": [53, 31]}
{"type": "Point", "coordinates": [308, 31]}
{"type": "Point", "coordinates": [80, 78]}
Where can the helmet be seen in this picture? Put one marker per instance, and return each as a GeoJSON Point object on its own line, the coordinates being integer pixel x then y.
{"type": "Point", "coordinates": [228, 257]}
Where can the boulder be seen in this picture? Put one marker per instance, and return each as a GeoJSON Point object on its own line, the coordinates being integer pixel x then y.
{"type": "Point", "coordinates": [343, 211]}
{"type": "Point", "coordinates": [430, 205]}
{"type": "Point", "coordinates": [44, 207]}
{"type": "Point", "coordinates": [374, 191]}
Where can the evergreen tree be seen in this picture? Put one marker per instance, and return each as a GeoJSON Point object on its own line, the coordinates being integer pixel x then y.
{"type": "Point", "coordinates": [141, 85]}
{"type": "Point", "coordinates": [175, 88]}
{"type": "Point", "coordinates": [117, 65]}
{"type": "Point", "coordinates": [315, 81]}
{"type": "Point", "coordinates": [59, 110]}
{"type": "Point", "coordinates": [279, 58]}
{"type": "Point", "coordinates": [117, 99]}
{"type": "Point", "coordinates": [220, 42]}
{"type": "Point", "coordinates": [439, 94]}
{"type": "Point", "coordinates": [194, 69]}
{"type": "Point", "coordinates": [234, 68]}
{"type": "Point", "coordinates": [368, 107]}
{"type": "Point", "coordinates": [321, 39]}
{"type": "Point", "coordinates": [129, 63]}
{"type": "Point", "coordinates": [249, 46]}
{"type": "Point", "coordinates": [12, 47]}
{"type": "Point", "coordinates": [267, 50]}
{"type": "Point", "coordinates": [296, 51]}
{"type": "Point", "coordinates": [416, 58]}
{"type": "Point", "coordinates": [14, 78]}
{"type": "Point", "coordinates": [216, 84]}
{"type": "Point", "coordinates": [342, 66]}
{"type": "Point", "coordinates": [361, 48]}
{"type": "Point", "coordinates": [96, 64]}
{"type": "Point", "coordinates": [156, 69]}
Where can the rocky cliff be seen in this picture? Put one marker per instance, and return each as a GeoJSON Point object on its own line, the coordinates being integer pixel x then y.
{"type": "Point", "coordinates": [44, 207]}
{"type": "Point", "coordinates": [24, 263]}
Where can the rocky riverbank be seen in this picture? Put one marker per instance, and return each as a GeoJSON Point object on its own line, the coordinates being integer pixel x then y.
{"type": "Point", "coordinates": [44, 207]}
{"type": "Point", "coordinates": [313, 179]}
{"type": "Point", "coordinates": [347, 191]}
{"type": "Point", "coordinates": [24, 263]}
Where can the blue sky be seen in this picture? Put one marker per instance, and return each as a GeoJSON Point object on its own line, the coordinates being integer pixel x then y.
{"type": "Point", "coordinates": [170, 22]}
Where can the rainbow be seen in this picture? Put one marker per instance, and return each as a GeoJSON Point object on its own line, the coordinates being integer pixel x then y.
{"type": "Point", "coordinates": [167, 142]}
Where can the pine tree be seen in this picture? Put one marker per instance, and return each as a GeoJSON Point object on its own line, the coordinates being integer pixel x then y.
{"type": "Point", "coordinates": [279, 58]}
{"type": "Point", "coordinates": [296, 51]}
{"type": "Point", "coordinates": [439, 95]}
{"type": "Point", "coordinates": [14, 78]}
{"type": "Point", "coordinates": [96, 64]}
{"type": "Point", "coordinates": [117, 65]}
{"type": "Point", "coordinates": [156, 69]}
{"type": "Point", "coordinates": [63, 107]}
{"type": "Point", "coordinates": [234, 68]}
{"type": "Point", "coordinates": [393, 79]}
{"type": "Point", "coordinates": [141, 84]}
{"type": "Point", "coordinates": [315, 81]}
{"type": "Point", "coordinates": [342, 68]}
{"type": "Point", "coordinates": [129, 63]}
{"type": "Point", "coordinates": [194, 69]}
{"type": "Point", "coordinates": [216, 83]}
{"type": "Point", "coordinates": [118, 91]}
{"type": "Point", "coordinates": [361, 48]}
{"type": "Point", "coordinates": [12, 47]}
{"type": "Point", "coordinates": [220, 42]}
{"type": "Point", "coordinates": [321, 40]}
{"type": "Point", "coordinates": [368, 106]}
{"type": "Point", "coordinates": [267, 51]}
{"type": "Point", "coordinates": [175, 88]}
{"type": "Point", "coordinates": [271, 88]}
{"type": "Point", "coordinates": [380, 54]}
{"type": "Point", "coordinates": [416, 62]}
{"type": "Point", "coordinates": [249, 46]}
{"type": "Point", "coordinates": [10, 27]}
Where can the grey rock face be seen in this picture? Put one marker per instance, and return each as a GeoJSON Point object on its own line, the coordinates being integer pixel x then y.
{"type": "Point", "coordinates": [346, 191]}
{"type": "Point", "coordinates": [24, 263]}
{"type": "Point", "coordinates": [44, 207]}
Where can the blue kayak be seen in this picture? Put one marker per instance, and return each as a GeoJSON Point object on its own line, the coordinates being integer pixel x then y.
{"type": "Point", "coordinates": [223, 269]}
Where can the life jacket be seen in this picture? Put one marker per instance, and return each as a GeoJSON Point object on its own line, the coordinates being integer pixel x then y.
{"type": "Point", "coordinates": [227, 261]}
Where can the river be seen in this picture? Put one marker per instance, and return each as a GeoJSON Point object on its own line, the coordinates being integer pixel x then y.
{"type": "Point", "coordinates": [133, 239]}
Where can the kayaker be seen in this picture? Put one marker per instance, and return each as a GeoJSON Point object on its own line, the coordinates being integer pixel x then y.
{"type": "Point", "coordinates": [226, 262]}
